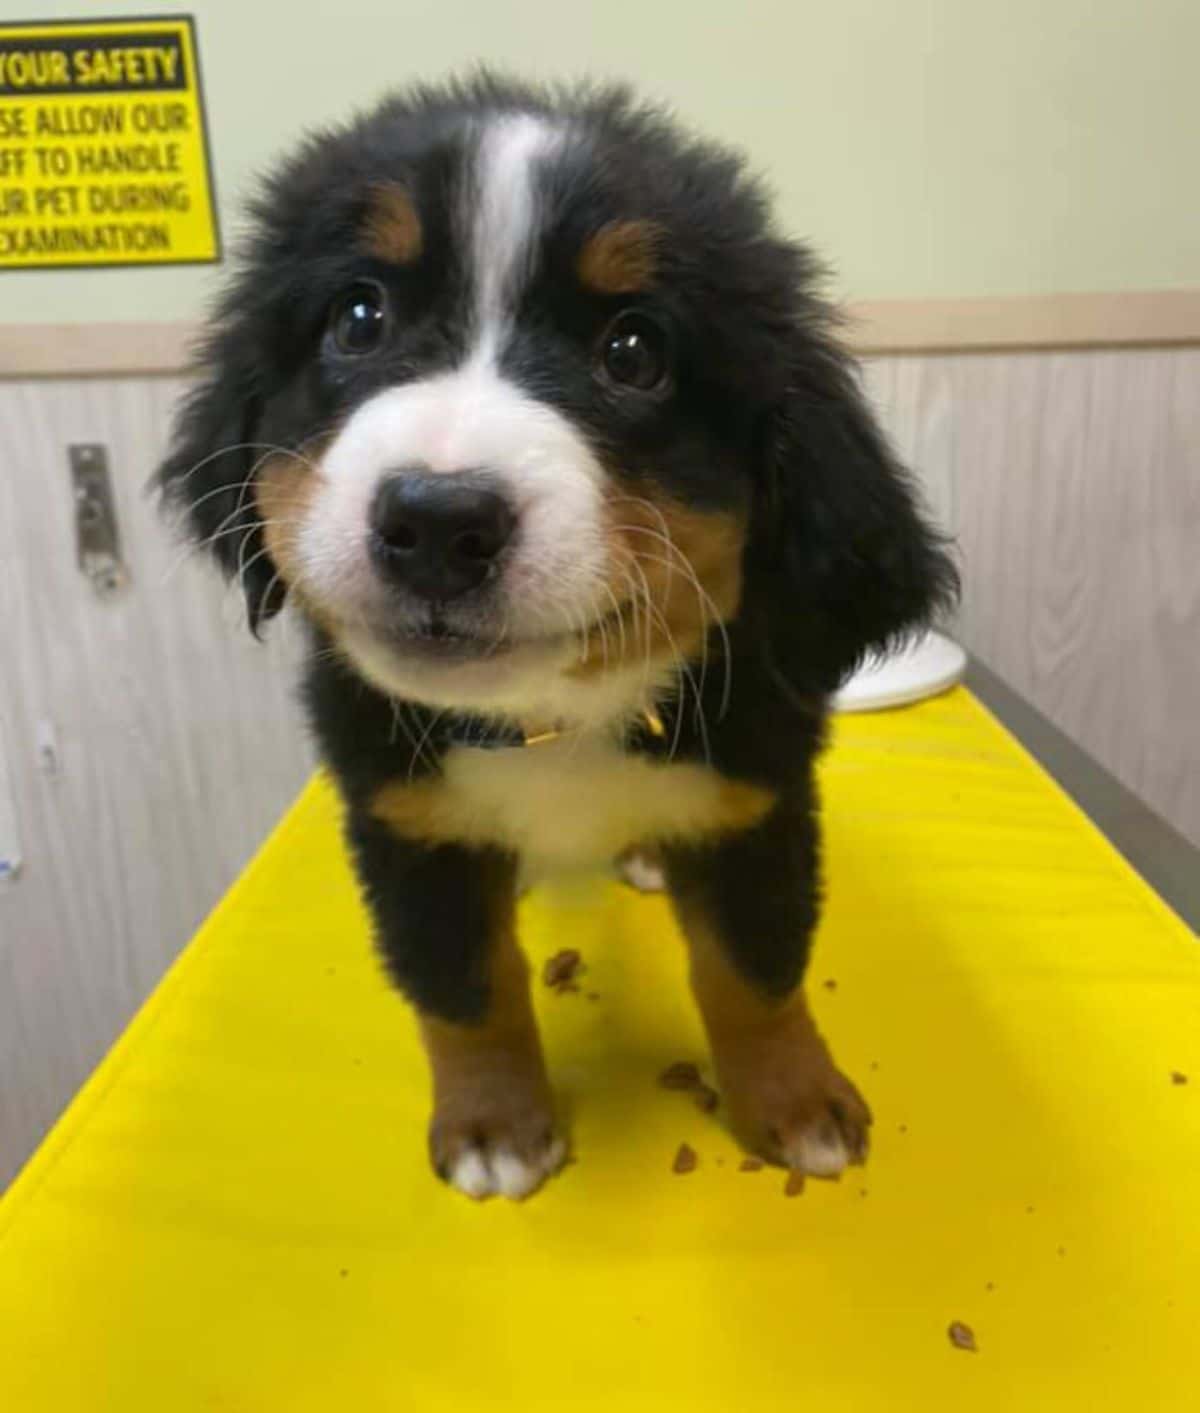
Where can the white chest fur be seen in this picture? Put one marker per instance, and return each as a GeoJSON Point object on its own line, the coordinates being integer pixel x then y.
{"type": "Point", "coordinates": [570, 803]}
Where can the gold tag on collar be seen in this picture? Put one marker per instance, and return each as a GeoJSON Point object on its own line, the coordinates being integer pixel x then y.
{"type": "Point", "coordinates": [539, 738]}
{"type": "Point", "coordinates": [650, 720]}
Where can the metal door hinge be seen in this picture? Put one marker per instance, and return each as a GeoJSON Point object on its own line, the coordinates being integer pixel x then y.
{"type": "Point", "coordinates": [97, 540]}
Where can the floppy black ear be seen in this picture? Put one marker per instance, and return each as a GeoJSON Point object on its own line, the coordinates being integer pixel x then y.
{"type": "Point", "coordinates": [207, 475]}
{"type": "Point", "coordinates": [848, 559]}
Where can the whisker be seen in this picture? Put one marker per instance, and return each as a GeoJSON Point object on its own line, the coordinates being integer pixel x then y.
{"type": "Point", "coordinates": [420, 750]}
{"type": "Point", "coordinates": [705, 598]}
{"type": "Point", "coordinates": [676, 656]}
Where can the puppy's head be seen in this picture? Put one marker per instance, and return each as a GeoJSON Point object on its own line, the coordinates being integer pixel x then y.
{"type": "Point", "coordinates": [519, 397]}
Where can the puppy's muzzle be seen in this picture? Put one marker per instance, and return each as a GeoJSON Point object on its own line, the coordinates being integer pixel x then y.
{"type": "Point", "coordinates": [438, 536]}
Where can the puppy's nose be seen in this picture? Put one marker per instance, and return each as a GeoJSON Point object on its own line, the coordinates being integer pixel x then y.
{"type": "Point", "coordinates": [439, 535]}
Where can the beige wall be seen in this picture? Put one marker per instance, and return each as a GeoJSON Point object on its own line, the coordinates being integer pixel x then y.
{"type": "Point", "coordinates": [931, 147]}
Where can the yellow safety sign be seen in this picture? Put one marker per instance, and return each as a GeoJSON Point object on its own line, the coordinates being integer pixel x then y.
{"type": "Point", "coordinates": [103, 149]}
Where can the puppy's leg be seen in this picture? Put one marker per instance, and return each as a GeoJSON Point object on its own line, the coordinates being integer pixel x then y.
{"type": "Point", "coordinates": [748, 905]}
{"type": "Point", "coordinates": [445, 921]}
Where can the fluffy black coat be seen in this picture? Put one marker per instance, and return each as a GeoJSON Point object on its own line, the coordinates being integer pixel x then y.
{"type": "Point", "coordinates": [764, 415]}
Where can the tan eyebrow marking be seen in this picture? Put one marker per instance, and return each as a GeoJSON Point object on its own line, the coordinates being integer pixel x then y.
{"type": "Point", "coordinates": [393, 227]}
{"type": "Point", "coordinates": [621, 258]}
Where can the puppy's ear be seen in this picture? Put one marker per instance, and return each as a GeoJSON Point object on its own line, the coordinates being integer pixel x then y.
{"type": "Point", "coordinates": [208, 473]}
{"type": "Point", "coordinates": [842, 548]}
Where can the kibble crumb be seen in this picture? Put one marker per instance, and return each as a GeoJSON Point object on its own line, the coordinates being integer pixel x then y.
{"type": "Point", "coordinates": [1178, 1077]}
{"type": "Point", "coordinates": [683, 1074]}
{"type": "Point", "coordinates": [686, 1159]}
{"type": "Point", "coordinates": [962, 1336]}
{"type": "Point", "coordinates": [561, 969]}
{"type": "Point", "coordinates": [707, 1098]}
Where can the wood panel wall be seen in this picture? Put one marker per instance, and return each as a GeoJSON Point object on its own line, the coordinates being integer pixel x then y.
{"type": "Point", "coordinates": [1072, 482]}
{"type": "Point", "coordinates": [152, 744]}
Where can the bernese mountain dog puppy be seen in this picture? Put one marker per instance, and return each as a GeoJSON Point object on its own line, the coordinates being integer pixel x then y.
{"type": "Point", "coordinates": [544, 430]}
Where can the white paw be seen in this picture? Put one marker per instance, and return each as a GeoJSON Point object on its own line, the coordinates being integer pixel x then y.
{"type": "Point", "coordinates": [480, 1173]}
{"type": "Point", "coordinates": [818, 1150]}
{"type": "Point", "coordinates": [642, 871]}
{"type": "Point", "coordinates": [806, 1116]}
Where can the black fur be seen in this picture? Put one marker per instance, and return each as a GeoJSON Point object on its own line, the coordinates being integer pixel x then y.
{"type": "Point", "coordinates": [763, 414]}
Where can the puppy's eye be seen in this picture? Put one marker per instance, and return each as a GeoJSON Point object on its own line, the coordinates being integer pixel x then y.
{"type": "Point", "coordinates": [359, 319]}
{"type": "Point", "coordinates": [634, 352]}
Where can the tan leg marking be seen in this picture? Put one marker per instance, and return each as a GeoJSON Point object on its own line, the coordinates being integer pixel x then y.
{"type": "Point", "coordinates": [786, 1098]}
{"type": "Point", "coordinates": [493, 1128]}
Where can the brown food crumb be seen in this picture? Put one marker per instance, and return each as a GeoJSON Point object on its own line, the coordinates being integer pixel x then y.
{"type": "Point", "coordinates": [903, 1128]}
{"type": "Point", "coordinates": [593, 995]}
{"type": "Point", "coordinates": [686, 1159]}
{"type": "Point", "coordinates": [862, 1191]}
{"type": "Point", "coordinates": [874, 1064]}
{"type": "Point", "coordinates": [962, 1336]}
{"type": "Point", "coordinates": [1062, 1250]}
{"type": "Point", "coordinates": [991, 1285]}
{"type": "Point", "coordinates": [681, 1075]}
{"type": "Point", "coordinates": [1178, 1077]}
{"type": "Point", "coordinates": [343, 1272]}
{"type": "Point", "coordinates": [1029, 1211]}
{"type": "Point", "coordinates": [750, 1165]}
{"type": "Point", "coordinates": [830, 984]}
{"type": "Point", "coordinates": [707, 1098]}
{"type": "Point", "coordinates": [795, 1183]}
{"type": "Point", "coordinates": [561, 969]}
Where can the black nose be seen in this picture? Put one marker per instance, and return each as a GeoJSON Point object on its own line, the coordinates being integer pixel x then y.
{"type": "Point", "coordinates": [439, 535]}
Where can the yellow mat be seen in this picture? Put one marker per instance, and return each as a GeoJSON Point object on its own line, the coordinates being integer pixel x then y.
{"type": "Point", "coordinates": [236, 1214]}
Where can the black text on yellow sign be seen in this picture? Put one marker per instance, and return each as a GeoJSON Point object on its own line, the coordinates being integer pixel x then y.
{"type": "Point", "coordinates": [103, 151]}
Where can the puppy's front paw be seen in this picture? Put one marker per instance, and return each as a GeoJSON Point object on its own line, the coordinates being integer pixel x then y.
{"type": "Point", "coordinates": [505, 1152]}
{"type": "Point", "coordinates": [793, 1106]}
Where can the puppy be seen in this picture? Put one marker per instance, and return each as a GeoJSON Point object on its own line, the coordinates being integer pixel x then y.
{"type": "Point", "coordinates": [543, 429]}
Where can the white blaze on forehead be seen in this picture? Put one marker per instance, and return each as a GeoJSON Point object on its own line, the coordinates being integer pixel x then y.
{"type": "Point", "coordinates": [472, 417]}
{"type": "Point", "coordinates": [505, 221]}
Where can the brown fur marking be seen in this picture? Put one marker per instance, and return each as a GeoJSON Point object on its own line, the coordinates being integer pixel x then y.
{"type": "Point", "coordinates": [621, 258]}
{"type": "Point", "coordinates": [415, 810]}
{"type": "Point", "coordinates": [785, 1093]}
{"type": "Point", "coordinates": [283, 489]}
{"type": "Point", "coordinates": [393, 227]}
{"type": "Point", "coordinates": [656, 544]}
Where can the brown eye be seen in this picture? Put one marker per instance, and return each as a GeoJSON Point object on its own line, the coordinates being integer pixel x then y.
{"type": "Point", "coordinates": [358, 320]}
{"type": "Point", "coordinates": [633, 352]}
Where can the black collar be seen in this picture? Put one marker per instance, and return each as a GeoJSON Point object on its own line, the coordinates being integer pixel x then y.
{"type": "Point", "coordinates": [647, 732]}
